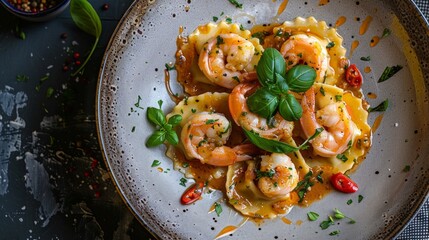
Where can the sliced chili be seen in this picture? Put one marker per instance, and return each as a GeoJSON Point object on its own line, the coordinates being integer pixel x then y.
{"type": "Point", "coordinates": [353, 76]}
{"type": "Point", "coordinates": [343, 183]}
{"type": "Point", "coordinates": [192, 194]}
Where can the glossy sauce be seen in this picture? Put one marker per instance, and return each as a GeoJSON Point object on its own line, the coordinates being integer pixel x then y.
{"type": "Point", "coordinates": [286, 220]}
{"type": "Point", "coordinates": [323, 2]}
{"type": "Point", "coordinates": [372, 95]}
{"type": "Point", "coordinates": [367, 69]}
{"type": "Point", "coordinates": [365, 25]}
{"type": "Point", "coordinates": [340, 21]}
{"type": "Point", "coordinates": [377, 122]}
{"type": "Point", "coordinates": [374, 41]}
{"type": "Point", "coordinates": [355, 44]}
{"type": "Point", "coordinates": [282, 7]}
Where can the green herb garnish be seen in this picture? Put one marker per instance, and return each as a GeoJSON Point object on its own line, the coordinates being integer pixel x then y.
{"type": "Point", "coordinates": [342, 157]}
{"type": "Point", "coordinates": [389, 72]}
{"type": "Point", "coordinates": [325, 224]}
{"type": "Point", "coordinates": [333, 233]}
{"type": "Point", "coordinates": [215, 19]}
{"type": "Point", "coordinates": [87, 19]}
{"type": "Point", "coordinates": [386, 32]}
{"type": "Point", "coordinates": [183, 182]}
{"type": "Point", "coordinates": [155, 163]}
{"type": "Point", "coordinates": [360, 198]}
{"type": "Point", "coordinates": [218, 208]}
{"type": "Point", "coordinates": [170, 66]}
{"type": "Point", "coordinates": [22, 78]}
{"type": "Point", "coordinates": [303, 186]}
{"type": "Point", "coordinates": [312, 216]}
{"type": "Point", "coordinates": [330, 45]}
{"type": "Point", "coordinates": [380, 107]}
{"type": "Point", "coordinates": [236, 3]}
{"type": "Point", "coordinates": [260, 174]}
{"type": "Point", "coordinates": [49, 92]}
{"type": "Point", "coordinates": [349, 202]}
{"type": "Point", "coordinates": [164, 131]}
{"type": "Point", "coordinates": [367, 58]}
{"type": "Point", "coordinates": [406, 168]}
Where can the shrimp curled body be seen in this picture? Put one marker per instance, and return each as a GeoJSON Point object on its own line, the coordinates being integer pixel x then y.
{"type": "Point", "coordinates": [304, 48]}
{"type": "Point", "coordinates": [334, 118]}
{"type": "Point", "coordinates": [204, 137]}
{"type": "Point", "coordinates": [225, 58]}
{"type": "Point", "coordinates": [284, 176]}
{"type": "Point", "coordinates": [278, 129]}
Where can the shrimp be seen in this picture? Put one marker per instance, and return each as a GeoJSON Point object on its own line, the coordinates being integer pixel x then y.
{"type": "Point", "coordinates": [225, 58]}
{"type": "Point", "coordinates": [304, 48]}
{"type": "Point", "coordinates": [334, 118]}
{"type": "Point", "coordinates": [277, 129]}
{"type": "Point", "coordinates": [204, 137]}
{"type": "Point", "coordinates": [280, 176]}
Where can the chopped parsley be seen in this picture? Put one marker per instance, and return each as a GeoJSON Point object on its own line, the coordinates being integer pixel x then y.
{"type": "Point", "coordinates": [260, 174]}
{"type": "Point", "coordinates": [360, 198]}
{"type": "Point", "coordinates": [330, 45]}
{"type": "Point", "coordinates": [183, 182]}
{"type": "Point", "coordinates": [303, 186]}
{"type": "Point", "coordinates": [349, 202]}
{"type": "Point", "coordinates": [22, 78]}
{"type": "Point", "coordinates": [342, 157]}
{"type": "Point", "coordinates": [170, 66]}
{"type": "Point", "coordinates": [336, 232]}
{"type": "Point", "coordinates": [322, 91]}
{"type": "Point", "coordinates": [312, 216]}
{"type": "Point", "coordinates": [386, 32]}
{"type": "Point", "coordinates": [218, 208]}
{"type": "Point", "coordinates": [367, 58]}
{"type": "Point", "coordinates": [155, 163]}
{"type": "Point", "coordinates": [406, 168]}
{"type": "Point", "coordinates": [236, 3]}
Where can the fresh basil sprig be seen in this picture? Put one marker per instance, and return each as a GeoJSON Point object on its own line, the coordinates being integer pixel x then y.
{"type": "Point", "coordinates": [165, 129]}
{"type": "Point", "coordinates": [274, 94]}
{"type": "Point", "coordinates": [87, 19]}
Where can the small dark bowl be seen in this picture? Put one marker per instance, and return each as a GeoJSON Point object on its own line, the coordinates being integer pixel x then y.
{"type": "Point", "coordinates": [37, 16]}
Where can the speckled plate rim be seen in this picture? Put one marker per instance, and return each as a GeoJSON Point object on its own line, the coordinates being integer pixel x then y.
{"type": "Point", "coordinates": [120, 191]}
{"type": "Point", "coordinates": [423, 24]}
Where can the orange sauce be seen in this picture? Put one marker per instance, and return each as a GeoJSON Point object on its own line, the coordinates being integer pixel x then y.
{"type": "Point", "coordinates": [377, 123]}
{"type": "Point", "coordinates": [160, 169]}
{"type": "Point", "coordinates": [282, 7]}
{"type": "Point", "coordinates": [374, 41]}
{"type": "Point", "coordinates": [299, 222]}
{"type": "Point", "coordinates": [355, 44]}
{"type": "Point", "coordinates": [226, 231]}
{"type": "Point", "coordinates": [286, 220]}
{"type": "Point", "coordinates": [340, 21]}
{"type": "Point", "coordinates": [323, 2]}
{"type": "Point", "coordinates": [372, 95]}
{"type": "Point", "coordinates": [365, 25]}
{"type": "Point", "coordinates": [367, 69]}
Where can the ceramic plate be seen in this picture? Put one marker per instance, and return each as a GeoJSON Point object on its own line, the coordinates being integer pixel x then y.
{"type": "Point", "coordinates": [133, 68]}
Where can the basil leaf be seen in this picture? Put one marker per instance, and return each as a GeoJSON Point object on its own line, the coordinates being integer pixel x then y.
{"type": "Point", "coordinates": [380, 107]}
{"type": "Point", "coordinates": [156, 116]}
{"type": "Point", "coordinates": [174, 120]}
{"type": "Point", "coordinates": [281, 83]}
{"type": "Point", "coordinates": [271, 62]}
{"type": "Point", "coordinates": [157, 138]}
{"type": "Point", "coordinates": [263, 102]}
{"type": "Point", "coordinates": [85, 17]}
{"type": "Point", "coordinates": [300, 78]}
{"type": "Point", "coordinates": [171, 137]}
{"type": "Point", "coordinates": [389, 72]}
{"type": "Point", "coordinates": [289, 108]}
{"type": "Point", "coordinates": [269, 144]}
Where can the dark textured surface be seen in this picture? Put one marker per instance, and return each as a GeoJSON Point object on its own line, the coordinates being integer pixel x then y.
{"type": "Point", "coordinates": [53, 182]}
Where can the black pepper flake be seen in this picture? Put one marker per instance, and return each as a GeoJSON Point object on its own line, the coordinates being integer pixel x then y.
{"type": "Point", "coordinates": [377, 172]}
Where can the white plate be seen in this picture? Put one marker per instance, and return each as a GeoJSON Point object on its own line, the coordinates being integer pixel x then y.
{"type": "Point", "coordinates": [133, 66]}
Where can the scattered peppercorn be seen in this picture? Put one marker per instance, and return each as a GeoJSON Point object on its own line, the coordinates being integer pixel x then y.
{"type": "Point", "coordinates": [105, 6]}
{"type": "Point", "coordinates": [63, 36]}
{"type": "Point", "coordinates": [33, 6]}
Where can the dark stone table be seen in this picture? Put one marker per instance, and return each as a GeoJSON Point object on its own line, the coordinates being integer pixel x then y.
{"type": "Point", "coordinates": [53, 181]}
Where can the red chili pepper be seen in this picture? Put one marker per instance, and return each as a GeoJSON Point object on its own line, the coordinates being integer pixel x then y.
{"type": "Point", "coordinates": [342, 183]}
{"type": "Point", "coordinates": [353, 76]}
{"type": "Point", "coordinates": [192, 194]}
